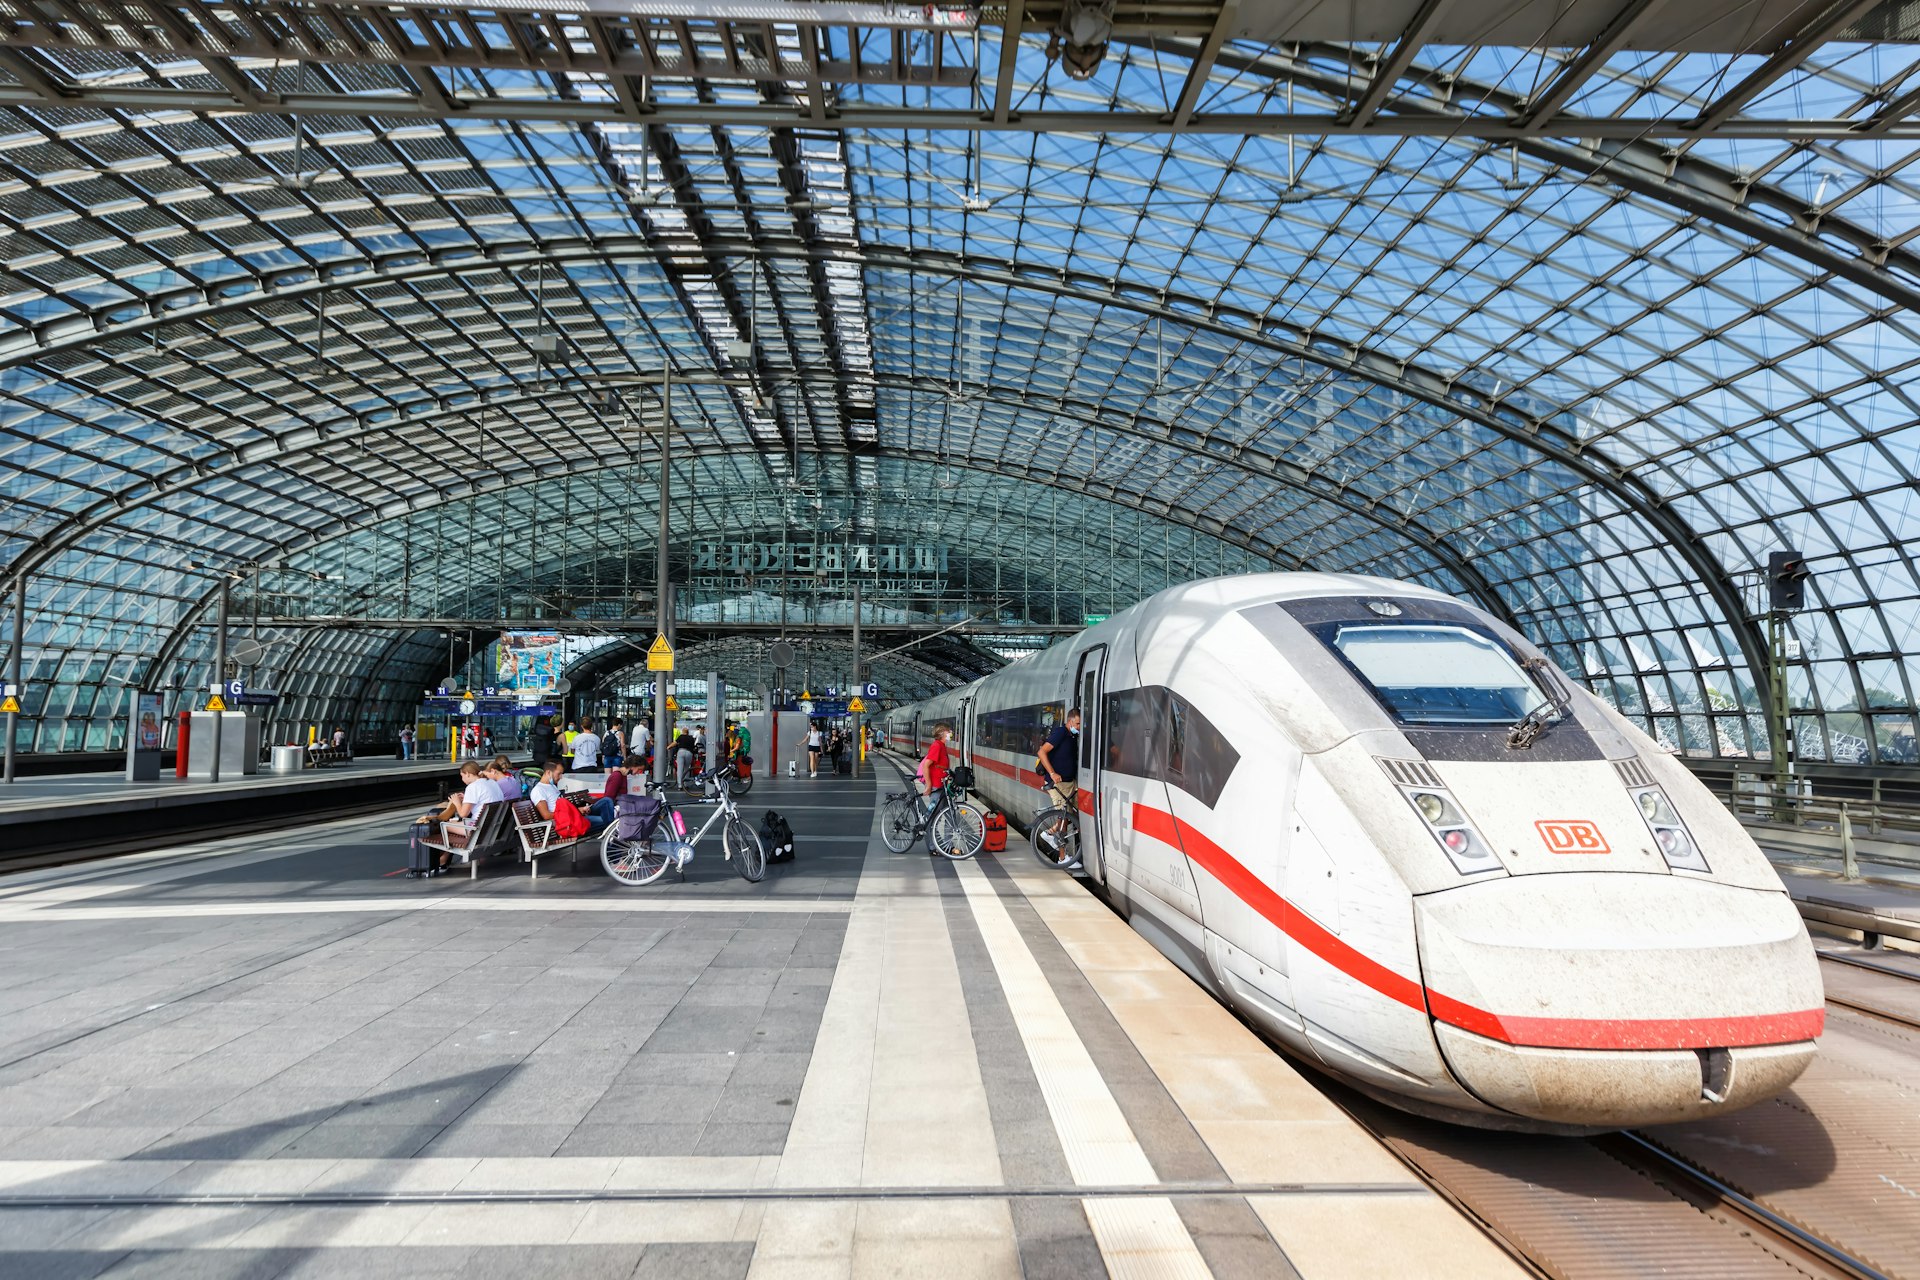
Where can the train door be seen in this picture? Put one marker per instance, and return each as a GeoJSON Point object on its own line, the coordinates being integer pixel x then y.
{"type": "Point", "coordinates": [1089, 687]}
{"type": "Point", "coordinates": [963, 733]}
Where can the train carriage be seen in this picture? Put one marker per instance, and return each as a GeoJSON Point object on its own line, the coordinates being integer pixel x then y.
{"type": "Point", "coordinates": [1377, 823]}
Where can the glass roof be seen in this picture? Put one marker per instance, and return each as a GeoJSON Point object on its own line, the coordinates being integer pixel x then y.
{"type": "Point", "coordinates": [1587, 379]}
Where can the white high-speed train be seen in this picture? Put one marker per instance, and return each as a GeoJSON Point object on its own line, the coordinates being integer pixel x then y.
{"type": "Point", "coordinates": [1377, 823]}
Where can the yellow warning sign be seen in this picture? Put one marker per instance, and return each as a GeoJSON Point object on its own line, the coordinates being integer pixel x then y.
{"type": "Point", "coordinates": [806, 695]}
{"type": "Point", "coordinates": [216, 703]}
{"type": "Point", "coordinates": [9, 706]}
{"type": "Point", "coordinates": [660, 656]}
{"type": "Point", "coordinates": [673, 703]}
{"type": "Point", "coordinates": [856, 706]}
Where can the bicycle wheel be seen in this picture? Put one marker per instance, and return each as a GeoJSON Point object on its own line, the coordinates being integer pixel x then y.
{"type": "Point", "coordinates": [897, 826]}
{"type": "Point", "coordinates": [740, 786]}
{"type": "Point", "coordinates": [634, 861]}
{"type": "Point", "coordinates": [958, 831]}
{"type": "Point", "coordinates": [744, 848]}
{"type": "Point", "coordinates": [1055, 839]}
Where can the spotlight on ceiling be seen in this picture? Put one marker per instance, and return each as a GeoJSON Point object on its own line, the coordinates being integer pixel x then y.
{"type": "Point", "coordinates": [1080, 38]}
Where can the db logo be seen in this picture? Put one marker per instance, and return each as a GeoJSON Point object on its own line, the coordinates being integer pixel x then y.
{"type": "Point", "coordinates": [1572, 836]}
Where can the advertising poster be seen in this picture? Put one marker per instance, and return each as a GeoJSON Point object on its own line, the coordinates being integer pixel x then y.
{"type": "Point", "coordinates": [530, 661]}
{"type": "Point", "coordinates": [146, 728]}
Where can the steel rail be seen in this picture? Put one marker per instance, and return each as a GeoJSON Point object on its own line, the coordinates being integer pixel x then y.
{"type": "Point", "coordinates": [1768, 1220]}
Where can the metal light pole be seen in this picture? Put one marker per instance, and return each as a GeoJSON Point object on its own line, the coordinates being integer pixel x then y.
{"type": "Point", "coordinates": [13, 661]}
{"type": "Point", "coordinates": [854, 770]}
{"type": "Point", "coordinates": [663, 680]}
{"type": "Point", "coordinates": [219, 672]}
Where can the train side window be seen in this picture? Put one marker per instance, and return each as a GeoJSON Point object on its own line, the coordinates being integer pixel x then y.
{"type": "Point", "coordinates": [1176, 736]}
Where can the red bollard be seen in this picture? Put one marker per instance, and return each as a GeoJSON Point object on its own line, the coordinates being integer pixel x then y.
{"type": "Point", "coordinates": [180, 741]}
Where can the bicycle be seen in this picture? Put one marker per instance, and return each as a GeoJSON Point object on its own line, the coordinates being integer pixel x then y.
{"type": "Point", "coordinates": [953, 827]}
{"type": "Point", "coordinates": [736, 783]}
{"type": "Point", "coordinates": [1055, 835]}
{"type": "Point", "coordinates": [642, 861]}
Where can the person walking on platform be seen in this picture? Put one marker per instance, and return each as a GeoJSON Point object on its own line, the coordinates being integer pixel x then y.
{"type": "Point", "coordinates": [406, 742]}
{"type": "Point", "coordinates": [682, 757]}
{"type": "Point", "coordinates": [586, 747]}
{"type": "Point", "coordinates": [613, 745]}
{"type": "Point", "coordinates": [540, 742]}
{"type": "Point", "coordinates": [642, 743]}
{"type": "Point", "coordinates": [937, 762]}
{"type": "Point", "coordinates": [816, 743]}
{"type": "Point", "coordinates": [1059, 759]}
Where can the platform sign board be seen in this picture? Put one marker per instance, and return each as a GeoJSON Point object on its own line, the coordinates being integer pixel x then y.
{"type": "Point", "coordinates": [147, 712]}
{"type": "Point", "coordinates": [660, 655]}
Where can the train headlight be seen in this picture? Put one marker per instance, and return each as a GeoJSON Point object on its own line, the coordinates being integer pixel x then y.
{"type": "Point", "coordinates": [1670, 835]}
{"type": "Point", "coordinates": [1462, 844]}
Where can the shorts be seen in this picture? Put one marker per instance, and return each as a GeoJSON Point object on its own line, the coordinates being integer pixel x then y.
{"type": "Point", "coordinates": [1065, 793]}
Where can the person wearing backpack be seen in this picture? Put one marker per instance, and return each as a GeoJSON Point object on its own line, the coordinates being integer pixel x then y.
{"type": "Point", "coordinates": [613, 746]}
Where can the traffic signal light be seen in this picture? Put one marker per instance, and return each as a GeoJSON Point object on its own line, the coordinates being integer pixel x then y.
{"type": "Point", "coordinates": [1787, 575]}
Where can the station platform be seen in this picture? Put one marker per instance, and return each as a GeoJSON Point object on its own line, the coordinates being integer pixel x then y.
{"type": "Point", "coordinates": [29, 799]}
{"type": "Point", "coordinates": [273, 1057]}
{"type": "Point", "coordinates": [56, 818]}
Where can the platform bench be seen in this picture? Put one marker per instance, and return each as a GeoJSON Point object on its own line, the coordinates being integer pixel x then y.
{"type": "Point", "coordinates": [537, 839]}
{"type": "Point", "coordinates": [494, 837]}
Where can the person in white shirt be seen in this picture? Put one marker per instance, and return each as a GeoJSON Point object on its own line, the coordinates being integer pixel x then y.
{"type": "Point", "coordinates": [816, 743]}
{"type": "Point", "coordinates": [642, 740]}
{"type": "Point", "coordinates": [546, 792]}
{"type": "Point", "coordinates": [586, 748]}
{"type": "Point", "coordinates": [462, 811]}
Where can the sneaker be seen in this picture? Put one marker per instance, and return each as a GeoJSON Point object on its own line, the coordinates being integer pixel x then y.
{"type": "Point", "coordinates": [812, 774]}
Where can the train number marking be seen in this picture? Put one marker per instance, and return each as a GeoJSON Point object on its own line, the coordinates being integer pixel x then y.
{"type": "Point", "coordinates": [1572, 835]}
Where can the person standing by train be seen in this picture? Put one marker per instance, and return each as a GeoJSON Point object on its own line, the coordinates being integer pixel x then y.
{"type": "Point", "coordinates": [938, 761]}
{"type": "Point", "coordinates": [1060, 759]}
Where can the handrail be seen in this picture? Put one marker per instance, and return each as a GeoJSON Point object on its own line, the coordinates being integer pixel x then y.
{"type": "Point", "coordinates": [1758, 801]}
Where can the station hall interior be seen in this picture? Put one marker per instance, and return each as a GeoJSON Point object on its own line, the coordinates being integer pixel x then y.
{"type": "Point", "coordinates": [1457, 460]}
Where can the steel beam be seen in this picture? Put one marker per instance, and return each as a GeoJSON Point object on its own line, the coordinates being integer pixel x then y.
{"type": "Point", "coordinates": [1560, 90]}
{"type": "Point", "coordinates": [1421, 123]}
{"type": "Point", "coordinates": [1395, 65]}
{"type": "Point", "coordinates": [1800, 45]}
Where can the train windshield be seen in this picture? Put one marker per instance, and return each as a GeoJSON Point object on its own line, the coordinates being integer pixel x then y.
{"type": "Point", "coordinates": [1439, 675]}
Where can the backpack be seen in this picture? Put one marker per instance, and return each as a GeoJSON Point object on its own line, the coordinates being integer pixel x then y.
{"type": "Point", "coordinates": [569, 823]}
{"type": "Point", "coordinates": [776, 833]}
{"type": "Point", "coordinates": [635, 816]}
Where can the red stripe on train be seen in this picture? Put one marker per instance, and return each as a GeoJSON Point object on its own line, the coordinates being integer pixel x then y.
{"type": "Point", "coordinates": [1026, 778]}
{"type": "Point", "coordinates": [1546, 1033]}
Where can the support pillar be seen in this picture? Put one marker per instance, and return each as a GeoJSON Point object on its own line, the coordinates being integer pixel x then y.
{"type": "Point", "coordinates": [219, 672]}
{"type": "Point", "coordinates": [859, 717]}
{"type": "Point", "coordinates": [663, 606]}
{"type": "Point", "coordinates": [14, 663]}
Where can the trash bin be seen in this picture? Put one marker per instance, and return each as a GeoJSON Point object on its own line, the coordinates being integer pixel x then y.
{"type": "Point", "coordinates": [289, 759]}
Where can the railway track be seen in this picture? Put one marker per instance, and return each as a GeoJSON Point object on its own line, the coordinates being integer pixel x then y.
{"type": "Point", "coordinates": [1897, 1002]}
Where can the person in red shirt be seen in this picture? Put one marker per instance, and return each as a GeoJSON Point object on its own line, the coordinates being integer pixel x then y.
{"type": "Point", "coordinates": [938, 761]}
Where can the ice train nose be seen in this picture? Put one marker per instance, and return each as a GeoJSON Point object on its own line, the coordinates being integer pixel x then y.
{"type": "Point", "coordinates": [1613, 1000]}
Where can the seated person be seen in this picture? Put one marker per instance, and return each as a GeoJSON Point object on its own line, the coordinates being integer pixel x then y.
{"type": "Point", "coordinates": [461, 814]}
{"type": "Point", "coordinates": [501, 772]}
{"type": "Point", "coordinates": [547, 793]}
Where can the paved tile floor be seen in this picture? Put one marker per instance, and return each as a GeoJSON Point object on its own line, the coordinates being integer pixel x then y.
{"type": "Point", "coordinates": [274, 1057]}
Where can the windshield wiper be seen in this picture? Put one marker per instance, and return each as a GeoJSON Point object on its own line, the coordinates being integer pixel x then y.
{"type": "Point", "coordinates": [1527, 729]}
